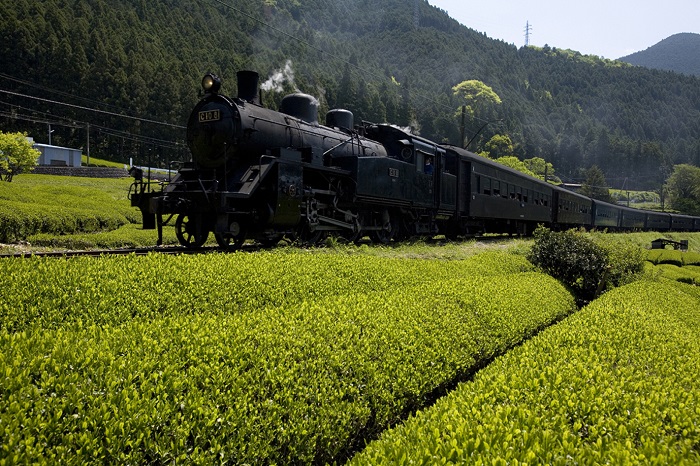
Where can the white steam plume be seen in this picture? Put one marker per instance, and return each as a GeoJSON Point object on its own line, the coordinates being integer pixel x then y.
{"type": "Point", "coordinates": [279, 77]}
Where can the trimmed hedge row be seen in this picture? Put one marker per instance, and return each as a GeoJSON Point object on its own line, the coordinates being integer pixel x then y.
{"type": "Point", "coordinates": [673, 257]}
{"type": "Point", "coordinates": [59, 205]}
{"type": "Point", "coordinates": [616, 383]}
{"type": "Point", "coordinates": [126, 236]}
{"type": "Point", "coordinates": [257, 359]}
{"type": "Point", "coordinates": [47, 293]}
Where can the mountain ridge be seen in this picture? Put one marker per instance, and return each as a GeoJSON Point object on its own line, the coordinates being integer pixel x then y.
{"type": "Point", "coordinates": [678, 53]}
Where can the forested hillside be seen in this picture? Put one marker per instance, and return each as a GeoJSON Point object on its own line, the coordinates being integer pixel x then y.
{"type": "Point", "coordinates": [394, 61]}
{"type": "Point", "coordinates": [677, 53]}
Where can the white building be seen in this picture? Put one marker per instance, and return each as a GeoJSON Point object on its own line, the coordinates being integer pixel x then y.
{"type": "Point", "coordinates": [59, 156]}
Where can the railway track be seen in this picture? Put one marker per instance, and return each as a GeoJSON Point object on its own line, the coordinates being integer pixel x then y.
{"type": "Point", "coordinates": [120, 252]}
{"type": "Point", "coordinates": [174, 250]}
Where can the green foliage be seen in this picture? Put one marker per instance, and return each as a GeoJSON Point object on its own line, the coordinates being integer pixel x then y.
{"type": "Point", "coordinates": [126, 236]}
{"type": "Point", "coordinates": [478, 98]}
{"type": "Point", "coordinates": [286, 357]}
{"type": "Point", "coordinates": [589, 264]}
{"type": "Point", "coordinates": [673, 257]}
{"type": "Point", "coordinates": [17, 155]}
{"type": "Point", "coordinates": [684, 189]}
{"type": "Point", "coordinates": [541, 169]}
{"type": "Point", "coordinates": [613, 384]}
{"type": "Point", "coordinates": [678, 273]}
{"type": "Point", "coordinates": [625, 259]}
{"type": "Point", "coordinates": [571, 257]}
{"type": "Point", "coordinates": [516, 164]}
{"type": "Point", "coordinates": [595, 185]}
{"type": "Point", "coordinates": [62, 205]}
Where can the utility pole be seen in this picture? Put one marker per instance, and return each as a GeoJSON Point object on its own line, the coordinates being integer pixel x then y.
{"type": "Point", "coordinates": [463, 127]}
{"type": "Point", "coordinates": [88, 144]}
{"type": "Point", "coordinates": [528, 31]}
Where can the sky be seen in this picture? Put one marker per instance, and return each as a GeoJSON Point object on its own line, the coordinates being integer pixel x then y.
{"type": "Point", "coordinates": [607, 28]}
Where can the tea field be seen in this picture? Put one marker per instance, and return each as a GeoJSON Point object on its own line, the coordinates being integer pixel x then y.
{"type": "Point", "coordinates": [421, 353]}
{"type": "Point", "coordinates": [280, 357]}
{"type": "Point", "coordinates": [616, 383]}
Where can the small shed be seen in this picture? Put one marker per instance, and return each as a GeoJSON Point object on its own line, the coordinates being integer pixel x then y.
{"type": "Point", "coordinates": [59, 156]}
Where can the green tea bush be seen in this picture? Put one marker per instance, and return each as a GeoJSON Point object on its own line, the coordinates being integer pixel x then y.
{"type": "Point", "coordinates": [283, 357]}
{"type": "Point", "coordinates": [625, 259]}
{"type": "Point", "coordinates": [127, 236]}
{"type": "Point", "coordinates": [673, 257]}
{"type": "Point", "coordinates": [653, 255]}
{"type": "Point", "coordinates": [47, 293]}
{"type": "Point", "coordinates": [587, 264]}
{"type": "Point", "coordinates": [613, 384]}
{"type": "Point", "coordinates": [571, 257]}
{"type": "Point", "coordinates": [690, 258]}
{"type": "Point", "coordinates": [680, 274]}
{"type": "Point", "coordinates": [60, 205]}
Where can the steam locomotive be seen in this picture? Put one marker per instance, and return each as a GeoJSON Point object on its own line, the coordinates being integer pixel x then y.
{"type": "Point", "coordinates": [260, 174]}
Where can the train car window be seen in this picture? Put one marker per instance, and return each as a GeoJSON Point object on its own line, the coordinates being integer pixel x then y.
{"type": "Point", "coordinates": [428, 166]}
{"type": "Point", "coordinates": [450, 164]}
{"type": "Point", "coordinates": [496, 188]}
{"type": "Point", "coordinates": [487, 186]}
{"type": "Point", "coordinates": [420, 161]}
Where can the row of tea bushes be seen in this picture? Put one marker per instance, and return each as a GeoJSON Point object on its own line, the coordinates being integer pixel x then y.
{"type": "Point", "coordinates": [616, 383]}
{"type": "Point", "coordinates": [46, 293]}
{"type": "Point", "coordinates": [673, 257]}
{"type": "Point", "coordinates": [127, 236]}
{"type": "Point", "coordinates": [689, 274]}
{"type": "Point", "coordinates": [329, 351]}
{"type": "Point", "coordinates": [58, 205]}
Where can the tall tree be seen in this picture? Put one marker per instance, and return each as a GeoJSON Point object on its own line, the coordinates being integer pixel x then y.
{"type": "Point", "coordinates": [478, 103]}
{"type": "Point", "coordinates": [595, 185]}
{"type": "Point", "coordinates": [683, 188]}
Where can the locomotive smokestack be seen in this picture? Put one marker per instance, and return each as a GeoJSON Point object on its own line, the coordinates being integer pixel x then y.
{"type": "Point", "coordinates": [248, 86]}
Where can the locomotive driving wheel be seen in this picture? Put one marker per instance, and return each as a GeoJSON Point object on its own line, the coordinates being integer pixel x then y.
{"type": "Point", "coordinates": [229, 242]}
{"type": "Point", "coordinates": [190, 231]}
{"type": "Point", "coordinates": [389, 229]}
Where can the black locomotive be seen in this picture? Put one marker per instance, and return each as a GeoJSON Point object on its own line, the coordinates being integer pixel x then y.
{"type": "Point", "coordinates": [262, 175]}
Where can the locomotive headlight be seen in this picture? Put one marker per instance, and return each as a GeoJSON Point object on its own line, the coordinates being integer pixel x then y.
{"type": "Point", "coordinates": [211, 83]}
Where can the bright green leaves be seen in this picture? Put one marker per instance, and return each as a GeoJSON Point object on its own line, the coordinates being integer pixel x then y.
{"type": "Point", "coordinates": [274, 357]}
{"type": "Point", "coordinates": [615, 383]}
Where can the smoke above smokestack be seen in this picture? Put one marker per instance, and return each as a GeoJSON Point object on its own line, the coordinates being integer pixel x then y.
{"type": "Point", "coordinates": [276, 82]}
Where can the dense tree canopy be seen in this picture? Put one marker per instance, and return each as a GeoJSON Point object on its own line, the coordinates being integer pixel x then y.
{"type": "Point", "coordinates": [139, 64]}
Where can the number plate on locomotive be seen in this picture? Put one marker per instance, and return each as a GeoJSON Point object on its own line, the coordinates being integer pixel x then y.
{"type": "Point", "coordinates": [209, 115]}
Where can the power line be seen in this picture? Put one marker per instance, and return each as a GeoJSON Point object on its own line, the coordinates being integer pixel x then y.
{"type": "Point", "coordinates": [57, 92]}
{"type": "Point", "coordinates": [343, 60]}
{"type": "Point", "coordinates": [95, 110]}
